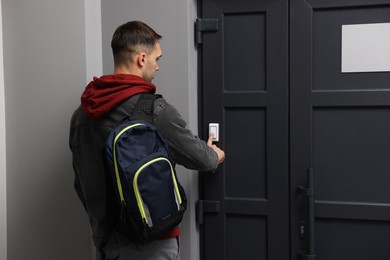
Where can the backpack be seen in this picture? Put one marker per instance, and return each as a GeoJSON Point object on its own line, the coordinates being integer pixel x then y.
{"type": "Point", "coordinates": [151, 199]}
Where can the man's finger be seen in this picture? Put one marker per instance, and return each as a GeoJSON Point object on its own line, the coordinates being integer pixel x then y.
{"type": "Point", "coordinates": [211, 137]}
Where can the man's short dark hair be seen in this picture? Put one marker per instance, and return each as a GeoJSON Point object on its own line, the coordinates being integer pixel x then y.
{"type": "Point", "coordinates": [132, 37]}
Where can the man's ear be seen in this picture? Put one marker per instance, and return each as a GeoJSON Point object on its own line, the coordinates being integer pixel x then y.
{"type": "Point", "coordinates": [141, 58]}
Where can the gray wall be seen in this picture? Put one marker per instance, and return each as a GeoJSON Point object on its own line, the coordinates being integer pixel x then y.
{"type": "Point", "coordinates": [44, 74]}
{"type": "Point", "coordinates": [51, 49]}
{"type": "Point", "coordinates": [176, 79]}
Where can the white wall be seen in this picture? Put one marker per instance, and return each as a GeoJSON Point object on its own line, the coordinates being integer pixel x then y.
{"type": "Point", "coordinates": [176, 79]}
{"type": "Point", "coordinates": [94, 55]}
{"type": "Point", "coordinates": [44, 75]}
{"type": "Point", "coordinates": [3, 198]}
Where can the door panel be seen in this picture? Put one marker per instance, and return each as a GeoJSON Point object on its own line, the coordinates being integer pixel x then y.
{"type": "Point", "coordinates": [355, 239]}
{"type": "Point", "coordinates": [344, 118]}
{"type": "Point", "coordinates": [327, 47]}
{"type": "Point", "coordinates": [351, 148]}
{"type": "Point", "coordinates": [244, 83]}
{"type": "Point", "coordinates": [255, 184]}
{"type": "Point", "coordinates": [234, 56]}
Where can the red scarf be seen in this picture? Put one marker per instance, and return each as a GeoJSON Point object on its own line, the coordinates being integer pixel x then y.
{"type": "Point", "coordinates": [104, 93]}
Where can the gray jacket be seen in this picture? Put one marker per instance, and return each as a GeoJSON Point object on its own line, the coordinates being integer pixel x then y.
{"type": "Point", "coordinates": [87, 138]}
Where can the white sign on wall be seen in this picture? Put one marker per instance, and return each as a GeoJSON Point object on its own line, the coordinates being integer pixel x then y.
{"type": "Point", "coordinates": [365, 47]}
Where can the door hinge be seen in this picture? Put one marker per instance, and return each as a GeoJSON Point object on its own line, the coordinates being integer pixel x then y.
{"type": "Point", "coordinates": [204, 25]}
{"type": "Point", "coordinates": [206, 206]}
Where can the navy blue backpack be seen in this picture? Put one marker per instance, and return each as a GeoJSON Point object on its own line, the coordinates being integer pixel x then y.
{"type": "Point", "coordinates": [151, 199]}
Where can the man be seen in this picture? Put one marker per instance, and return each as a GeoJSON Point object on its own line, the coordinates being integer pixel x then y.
{"type": "Point", "coordinates": [105, 102]}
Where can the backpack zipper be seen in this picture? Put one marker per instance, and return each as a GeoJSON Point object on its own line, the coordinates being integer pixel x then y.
{"type": "Point", "coordinates": [118, 181]}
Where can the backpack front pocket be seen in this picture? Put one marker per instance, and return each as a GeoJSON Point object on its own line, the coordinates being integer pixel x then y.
{"type": "Point", "coordinates": [156, 191]}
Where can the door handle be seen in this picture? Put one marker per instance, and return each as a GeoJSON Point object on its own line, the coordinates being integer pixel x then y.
{"type": "Point", "coordinates": [309, 192]}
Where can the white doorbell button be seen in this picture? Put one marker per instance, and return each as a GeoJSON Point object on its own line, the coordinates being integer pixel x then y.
{"type": "Point", "coordinates": [214, 128]}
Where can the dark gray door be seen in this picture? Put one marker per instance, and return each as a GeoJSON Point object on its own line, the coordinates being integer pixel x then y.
{"type": "Point", "coordinates": [245, 89]}
{"type": "Point", "coordinates": [340, 126]}
{"type": "Point", "coordinates": [271, 76]}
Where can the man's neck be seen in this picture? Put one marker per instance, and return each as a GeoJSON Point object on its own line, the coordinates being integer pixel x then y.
{"type": "Point", "coordinates": [127, 70]}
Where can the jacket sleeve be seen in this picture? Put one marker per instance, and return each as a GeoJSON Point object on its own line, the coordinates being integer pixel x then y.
{"type": "Point", "coordinates": [186, 148]}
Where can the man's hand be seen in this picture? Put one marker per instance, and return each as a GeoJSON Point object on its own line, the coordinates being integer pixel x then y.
{"type": "Point", "coordinates": [220, 153]}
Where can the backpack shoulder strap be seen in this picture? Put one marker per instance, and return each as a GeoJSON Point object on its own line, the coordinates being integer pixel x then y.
{"type": "Point", "coordinates": [144, 108]}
